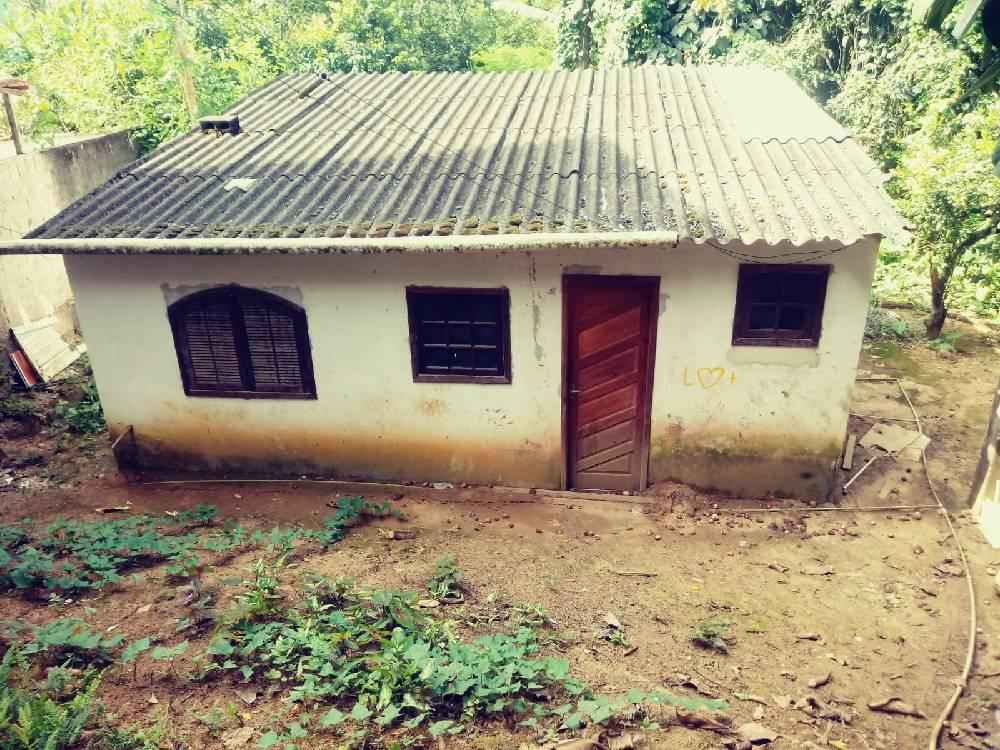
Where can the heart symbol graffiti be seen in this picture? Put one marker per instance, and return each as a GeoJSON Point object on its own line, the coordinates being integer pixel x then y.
{"type": "Point", "coordinates": [709, 377]}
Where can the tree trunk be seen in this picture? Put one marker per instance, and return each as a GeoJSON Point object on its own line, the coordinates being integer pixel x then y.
{"type": "Point", "coordinates": [935, 322]}
{"type": "Point", "coordinates": [185, 53]}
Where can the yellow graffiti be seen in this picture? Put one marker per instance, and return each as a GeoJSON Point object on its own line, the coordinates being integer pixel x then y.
{"type": "Point", "coordinates": [709, 377]}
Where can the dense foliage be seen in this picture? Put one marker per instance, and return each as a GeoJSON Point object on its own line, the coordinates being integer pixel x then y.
{"type": "Point", "coordinates": [154, 65]}
{"type": "Point", "coordinates": [924, 104]}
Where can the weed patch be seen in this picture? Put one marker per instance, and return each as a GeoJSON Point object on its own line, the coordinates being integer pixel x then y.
{"type": "Point", "coordinates": [71, 643]}
{"type": "Point", "coordinates": [710, 635]}
{"type": "Point", "coordinates": [446, 582]}
{"type": "Point", "coordinates": [85, 417]}
{"type": "Point", "coordinates": [35, 719]}
{"type": "Point", "coordinates": [349, 512]}
{"type": "Point", "coordinates": [71, 557]}
{"type": "Point", "coordinates": [372, 661]}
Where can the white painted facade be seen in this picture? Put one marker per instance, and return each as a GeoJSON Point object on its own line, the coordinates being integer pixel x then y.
{"type": "Point", "coordinates": [750, 420]}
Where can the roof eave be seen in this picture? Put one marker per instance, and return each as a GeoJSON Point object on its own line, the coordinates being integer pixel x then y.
{"type": "Point", "coordinates": [340, 245]}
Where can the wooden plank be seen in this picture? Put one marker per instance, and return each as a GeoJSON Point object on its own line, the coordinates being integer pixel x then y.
{"type": "Point", "coordinates": [24, 369]}
{"type": "Point", "coordinates": [15, 132]}
{"type": "Point", "coordinates": [42, 345]}
{"type": "Point", "coordinates": [848, 462]}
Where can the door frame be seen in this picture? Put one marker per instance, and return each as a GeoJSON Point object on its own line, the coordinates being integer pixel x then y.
{"type": "Point", "coordinates": [651, 289]}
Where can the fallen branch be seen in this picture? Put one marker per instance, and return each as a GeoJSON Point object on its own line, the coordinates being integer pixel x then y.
{"type": "Point", "coordinates": [642, 573]}
{"type": "Point", "coordinates": [896, 706]}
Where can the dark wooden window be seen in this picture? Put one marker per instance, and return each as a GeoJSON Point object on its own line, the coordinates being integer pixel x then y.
{"type": "Point", "coordinates": [459, 335]}
{"type": "Point", "coordinates": [779, 305]}
{"type": "Point", "coordinates": [242, 343]}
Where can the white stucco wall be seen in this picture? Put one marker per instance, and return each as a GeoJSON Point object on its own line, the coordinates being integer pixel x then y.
{"type": "Point", "coordinates": [746, 419]}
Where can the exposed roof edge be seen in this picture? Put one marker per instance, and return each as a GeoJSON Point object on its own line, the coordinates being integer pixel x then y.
{"type": "Point", "coordinates": [338, 245]}
{"type": "Point", "coordinates": [420, 245]}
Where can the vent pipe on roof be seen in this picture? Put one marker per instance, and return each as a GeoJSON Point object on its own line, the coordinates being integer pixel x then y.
{"type": "Point", "coordinates": [221, 124]}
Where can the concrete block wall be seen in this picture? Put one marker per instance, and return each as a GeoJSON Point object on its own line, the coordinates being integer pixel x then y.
{"type": "Point", "coordinates": [33, 188]}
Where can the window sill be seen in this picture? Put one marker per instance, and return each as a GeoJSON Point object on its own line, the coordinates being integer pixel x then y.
{"type": "Point", "coordinates": [476, 380]}
{"type": "Point", "coordinates": [779, 356]}
{"type": "Point", "coordinates": [252, 395]}
{"type": "Point", "coordinates": [776, 342]}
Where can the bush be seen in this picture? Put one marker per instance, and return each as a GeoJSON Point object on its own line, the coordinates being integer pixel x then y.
{"type": "Point", "coordinates": [882, 324]}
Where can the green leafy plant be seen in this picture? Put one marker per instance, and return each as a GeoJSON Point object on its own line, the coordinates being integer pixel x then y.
{"type": "Point", "coordinates": [201, 515]}
{"type": "Point", "coordinates": [377, 661]}
{"type": "Point", "coordinates": [14, 407]}
{"type": "Point", "coordinates": [446, 582]}
{"type": "Point", "coordinates": [85, 417]}
{"type": "Point", "coordinates": [946, 342]}
{"type": "Point", "coordinates": [33, 720]}
{"type": "Point", "coordinates": [126, 738]}
{"type": "Point", "coordinates": [349, 512]}
{"type": "Point", "coordinates": [170, 654]}
{"type": "Point", "coordinates": [531, 616]}
{"type": "Point", "coordinates": [184, 568]}
{"type": "Point", "coordinates": [261, 596]}
{"type": "Point", "coordinates": [71, 642]}
{"type": "Point", "coordinates": [710, 634]}
{"type": "Point", "coordinates": [71, 557]}
{"type": "Point", "coordinates": [881, 324]}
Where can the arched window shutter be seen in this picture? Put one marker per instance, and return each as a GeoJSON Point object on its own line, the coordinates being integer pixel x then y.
{"type": "Point", "coordinates": [211, 350]}
{"type": "Point", "coordinates": [273, 346]}
{"type": "Point", "coordinates": [242, 342]}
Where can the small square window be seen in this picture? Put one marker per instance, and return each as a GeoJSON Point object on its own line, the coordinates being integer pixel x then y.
{"type": "Point", "coordinates": [779, 305]}
{"type": "Point", "coordinates": [459, 335]}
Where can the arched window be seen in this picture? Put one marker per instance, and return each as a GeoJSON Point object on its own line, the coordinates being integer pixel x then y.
{"type": "Point", "coordinates": [242, 343]}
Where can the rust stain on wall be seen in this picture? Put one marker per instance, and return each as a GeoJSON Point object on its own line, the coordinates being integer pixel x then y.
{"type": "Point", "coordinates": [433, 407]}
{"type": "Point", "coordinates": [197, 444]}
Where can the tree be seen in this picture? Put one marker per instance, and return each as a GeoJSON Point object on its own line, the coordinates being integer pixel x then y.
{"type": "Point", "coordinates": [440, 35]}
{"type": "Point", "coordinates": [155, 65]}
{"type": "Point", "coordinates": [952, 195]}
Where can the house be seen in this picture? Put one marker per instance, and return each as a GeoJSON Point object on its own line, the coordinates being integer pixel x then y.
{"type": "Point", "coordinates": [588, 279]}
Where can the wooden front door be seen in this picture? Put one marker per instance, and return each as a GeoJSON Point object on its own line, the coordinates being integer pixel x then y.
{"type": "Point", "coordinates": [610, 326]}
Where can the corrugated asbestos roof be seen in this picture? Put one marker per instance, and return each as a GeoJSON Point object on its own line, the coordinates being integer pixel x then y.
{"type": "Point", "coordinates": [711, 153]}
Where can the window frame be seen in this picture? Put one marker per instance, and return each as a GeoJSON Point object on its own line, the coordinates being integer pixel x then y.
{"type": "Point", "coordinates": [416, 292]}
{"type": "Point", "coordinates": [232, 293]}
{"type": "Point", "coordinates": [742, 333]}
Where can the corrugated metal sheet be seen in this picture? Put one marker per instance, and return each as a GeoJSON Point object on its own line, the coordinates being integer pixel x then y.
{"type": "Point", "coordinates": [731, 154]}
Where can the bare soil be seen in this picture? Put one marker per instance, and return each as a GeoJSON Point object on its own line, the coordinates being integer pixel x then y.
{"type": "Point", "coordinates": [874, 599]}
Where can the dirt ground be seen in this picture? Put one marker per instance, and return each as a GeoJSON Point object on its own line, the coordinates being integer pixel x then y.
{"type": "Point", "coordinates": [876, 600]}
